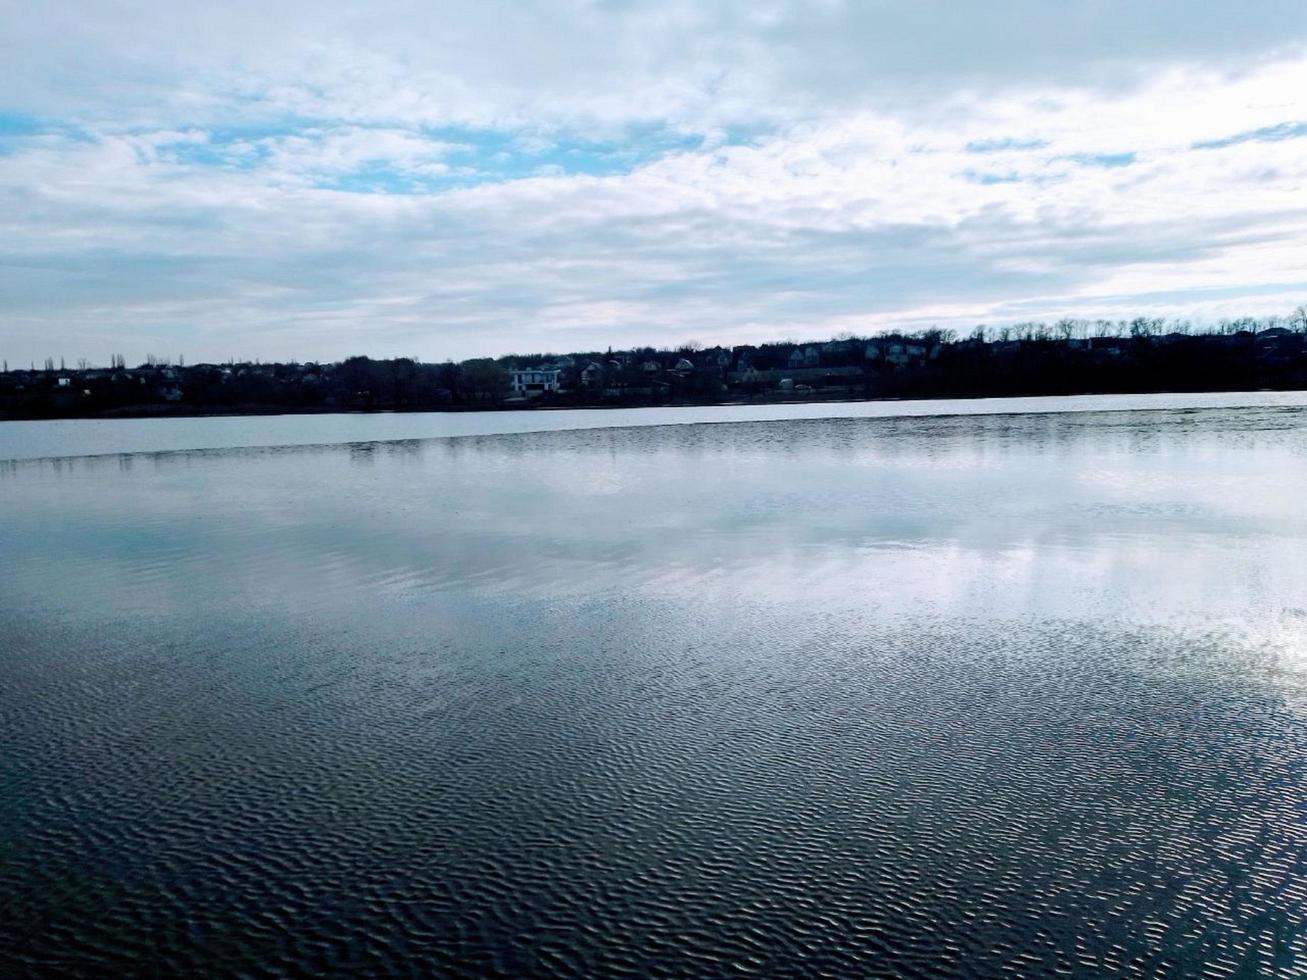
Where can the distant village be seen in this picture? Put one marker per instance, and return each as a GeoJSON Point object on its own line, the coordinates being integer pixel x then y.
{"type": "Point", "coordinates": [1066, 357]}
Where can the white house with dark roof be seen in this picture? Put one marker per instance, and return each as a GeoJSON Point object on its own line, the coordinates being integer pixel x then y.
{"type": "Point", "coordinates": [531, 382]}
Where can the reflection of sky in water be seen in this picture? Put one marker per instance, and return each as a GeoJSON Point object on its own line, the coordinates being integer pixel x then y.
{"type": "Point", "coordinates": [1197, 516]}
{"type": "Point", "coordinates": [88, 437]}
{"type": "Point", "coordinates": [961, 696]}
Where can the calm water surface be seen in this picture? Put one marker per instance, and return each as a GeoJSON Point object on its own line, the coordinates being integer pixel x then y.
{"type": "Point", "coordinates": [85, 437]}
{"type": "Point", "coordinates": [998, 695]}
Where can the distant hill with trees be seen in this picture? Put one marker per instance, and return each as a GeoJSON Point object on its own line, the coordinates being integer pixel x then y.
{"type": "Point", "coordinates": [1065, 357]}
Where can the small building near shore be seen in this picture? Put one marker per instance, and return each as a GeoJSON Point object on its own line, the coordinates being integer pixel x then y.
{"type": "Point", "coordinates": [531, 382]}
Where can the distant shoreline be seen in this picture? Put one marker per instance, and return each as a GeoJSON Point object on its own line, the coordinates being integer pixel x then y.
{"type": "Point", "coordinates": [935, 364]}
{"type": "Point", "coordinates": [529, 405]}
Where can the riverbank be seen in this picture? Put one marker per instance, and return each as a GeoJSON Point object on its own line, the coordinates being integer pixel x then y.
{"type": "Point", "coordinates": [814, 397]}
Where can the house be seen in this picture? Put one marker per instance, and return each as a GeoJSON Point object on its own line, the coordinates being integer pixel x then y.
{"type": "Point", "coordinates": [592, 374]}
{"type": "Point", "coordinates": [650, 367]}
{"type": "Point", "coordinates": [751, 376]}
{"type": "Point", "coordinates": [901, 353]}
{"type": "Point", "coordinates": [839, 352]}
{"type": "Point", "coordinates": [718, 359]}
{"type": "Point", "coordinates": [683, 365]}
{"type": "Point", "coordinates": [531, 382]}
{"type": "Point", "coordinates": [802, 357]}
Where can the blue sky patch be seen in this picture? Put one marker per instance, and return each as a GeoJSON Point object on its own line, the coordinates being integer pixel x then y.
{"type": "Point", "coordinates": [988, 179]}
{"type": "Point", "coordinates": [16, 128]}
{"type": "Point", "coordinates": [1001, 145]}
{"type": "Point", "coordinates": [374, 179]}
{"type": "Point", "coordinates": [494, 156]}
{"type": "Point", "coordinates": [16, 124]}
{"type": "Point", "coordinates": [471, 156]}
{"type": "Point", "coordinates": [1267, 134]}
{"type": "Point", "coordinates": [1103, 159]}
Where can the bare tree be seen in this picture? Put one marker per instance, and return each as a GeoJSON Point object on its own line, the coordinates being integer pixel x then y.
{"type": "Point", "coordinates": [1141, 327]}
{"type": "Point", "coordinates": [1067, 327]}
{"type": "Point", "coordinates": [1298, 318]}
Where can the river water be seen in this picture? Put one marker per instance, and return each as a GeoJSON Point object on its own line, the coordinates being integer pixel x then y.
{"type": "Point", "coordinates": [84, 437]}
{"type": "Point", "coordinates": [1002, 693]}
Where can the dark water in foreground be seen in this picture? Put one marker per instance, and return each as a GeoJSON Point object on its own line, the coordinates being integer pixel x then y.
{"type": "Point", "coordinates": [1000, 695]}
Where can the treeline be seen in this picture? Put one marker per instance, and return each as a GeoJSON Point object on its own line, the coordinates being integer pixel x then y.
{"type": "Point", "coordinates": [160, 387]}
{"type": "Point", "coordinates": [1062, 357]}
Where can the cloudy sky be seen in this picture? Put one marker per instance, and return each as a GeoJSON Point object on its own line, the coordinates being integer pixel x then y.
{"type": "Point", "coordinates": [295, 179]}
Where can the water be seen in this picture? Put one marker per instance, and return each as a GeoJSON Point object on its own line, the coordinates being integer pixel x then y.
{"type": "Point", "coordinates": [1005, 694]}
{"type": "Point", "coordinates": [85, 437]}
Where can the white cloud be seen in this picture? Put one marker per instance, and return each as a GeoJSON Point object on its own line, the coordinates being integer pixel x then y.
{"type": "Point", "coordinates": [575, 62]}
{"type": "Point", "coordinates": [218, 178]}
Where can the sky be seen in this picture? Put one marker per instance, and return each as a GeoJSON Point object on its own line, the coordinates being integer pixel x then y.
{"type": "Point", "coordinates": [286, 179]}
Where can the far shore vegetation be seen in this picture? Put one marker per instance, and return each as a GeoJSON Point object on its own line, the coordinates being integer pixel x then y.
{"type": "Point", "coordinates": [1069, 356]}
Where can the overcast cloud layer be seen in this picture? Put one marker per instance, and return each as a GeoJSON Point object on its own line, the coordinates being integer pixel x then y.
{"type": "Point", "coordinates": [311, 180]}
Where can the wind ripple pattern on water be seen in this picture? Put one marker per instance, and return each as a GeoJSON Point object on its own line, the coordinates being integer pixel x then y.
{"type": "Point", "coordinates": [1012, 696]}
